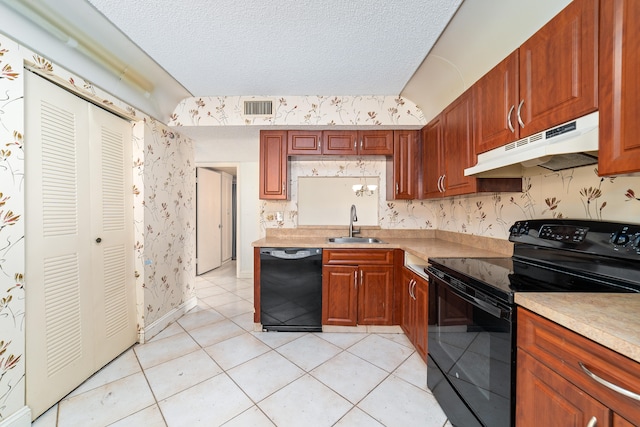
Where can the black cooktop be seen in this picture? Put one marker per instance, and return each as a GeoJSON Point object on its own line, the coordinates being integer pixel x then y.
{"type": "Point", "coordinates": [554, 256]}
{"type": "Point", "coordinates": [502, 277]}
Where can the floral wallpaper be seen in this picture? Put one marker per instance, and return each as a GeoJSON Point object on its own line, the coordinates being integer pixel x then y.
{"type": "Point", "coordinates": [300, 110]}
{"type": "Point", "coordinates": [164, 212]}
{"type": "Point", "coordinates": [169, 220]}
{"type": "Point", "coordinates": [12, 262]}
{"type": "Point", "coordinates": [575, 193]}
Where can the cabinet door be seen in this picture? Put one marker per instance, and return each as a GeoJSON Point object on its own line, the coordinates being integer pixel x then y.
{"type": "Point", "coordinates": [431, 159]}
{"type": "Point", "coordinates": [459, 148]}
{"type": "Point", "coordinates": [619, 87]}
{"type": "Point", "coordinates": [377, 142]}
{"type": "Point", "coordinates": [421, 320]}
{"type": "Point", "coordinates": [558, 68]}
{"type": "Point", "coordinates": [618, 421]}
{"type": "Point", "coordinates": [303, 142]}
{"type": "Point", "coordinates": [273, 165]}
{"type": "Point", "coordinates": [497, 93]}
{"type": "Point", "coordinates": [339, 295]}
{"type": "Point", "coordinates": [375, 295]}
{"type": "Point", "coordinates": [402, 167]}
{"type": "Point", "coordinates": [340, 142]}
{"type": "Point", "coordinates": [408, 306]}
{"type": "Point", "coordinates": [544, 398]}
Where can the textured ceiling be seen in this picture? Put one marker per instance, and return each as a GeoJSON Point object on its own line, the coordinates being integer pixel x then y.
{"type": "Point", "coordinates": [284, 47]}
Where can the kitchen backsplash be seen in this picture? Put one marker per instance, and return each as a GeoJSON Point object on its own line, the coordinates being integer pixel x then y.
{"type": "Point", "coordinates": [575, 193]}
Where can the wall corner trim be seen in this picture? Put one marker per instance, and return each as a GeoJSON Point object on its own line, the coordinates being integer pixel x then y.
{"type": "Point", "coordinates": [20, 418]}
{"type": "Point", "coordinates": [156, 327]}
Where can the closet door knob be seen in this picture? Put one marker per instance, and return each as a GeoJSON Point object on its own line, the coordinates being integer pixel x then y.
{"type": "Point", "coordinates": [98, 240]}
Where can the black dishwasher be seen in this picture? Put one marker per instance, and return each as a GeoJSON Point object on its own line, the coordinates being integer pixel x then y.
{"type": "Point", "coordinates": [291, 289]}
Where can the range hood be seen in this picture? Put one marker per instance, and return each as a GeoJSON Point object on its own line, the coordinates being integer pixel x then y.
{"type": "Point", "coordinates": [572, 144]}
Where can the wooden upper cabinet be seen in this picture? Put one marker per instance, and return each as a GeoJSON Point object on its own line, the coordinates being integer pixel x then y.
{"type": "Point", "coordinates": [458, 145]}
{"type": "Point", "coordinates": [303, 142]}
{"type": "Point", "coordinates": [379, 142]}
{"type": "Point", "coordinates": [273, 165]}
{"type": "Point", "coordinates": [351, 142]}
{"type": "Point", "coordinates": [496, 94]}
{"type": "Point", "coordinates": [551, 79]}
{"type": "Point", "coordinates": [432, 161]}
{"type": "Point", "coordinates": [559, 69]}
{"type": "Point", "coordinates": [619, 87]}
{"type": "Point", "coordinates": [402, 168]}
{"type": "Point", "coordinates": [338, 142]}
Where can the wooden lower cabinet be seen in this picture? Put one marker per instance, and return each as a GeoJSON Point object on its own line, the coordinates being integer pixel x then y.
{"type": "Point", "coordinates": [340, 295]}
{"type": "Point", "coordinates": [415, 310]}
{"type": "Point", "coordinates": [547, 399]}
{"type": "Point", "coordinates": [357, 289]}
{"type": "Point", "coordinates": [552, 387]}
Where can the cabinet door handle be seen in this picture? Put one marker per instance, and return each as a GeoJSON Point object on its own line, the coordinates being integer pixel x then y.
{"type": "Point", "coordinates": [355, 144]}
{"type": "Point", "coordinates": [609, 385]}
{"type": "Point", "coordinates": [413, 290]}
{"type": "Point", "coordinates": [513, 107]}
{"type": "Point", "coordinates": [355, 279]}
{"type": "Point", "coordinates": [361, 144]}
{"type": "Point", "coordinates": [443, 187]}
{"type": "Point", "coordinates": [282, 187]}
{"type": "Point", "coordinates": [518, 114]}
{"type": "Point", "coordinates": [593, 422]}
{"type": "Point", "coordinates": [361, 279]}
{"type": "Point", "coordinates": [397, 188]}
{"type": "Point", "coordinates": [439, 187]}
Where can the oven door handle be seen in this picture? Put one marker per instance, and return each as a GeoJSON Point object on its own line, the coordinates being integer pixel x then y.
{"type": "Point", "coordinates": [489, 308]}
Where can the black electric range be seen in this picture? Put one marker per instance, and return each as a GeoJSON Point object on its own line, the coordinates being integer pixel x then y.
{"type": "Point", "coordinates": [472, 331]}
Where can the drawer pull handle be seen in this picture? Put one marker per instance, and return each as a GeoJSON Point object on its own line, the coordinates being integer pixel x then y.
{"type": "Point", "coordinates": [608, 384]}
{"type": "Point", "coordinates": [593, 422]}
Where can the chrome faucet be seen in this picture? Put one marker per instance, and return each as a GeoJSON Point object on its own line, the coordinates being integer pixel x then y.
{"type": "Point", "coordinates": [353, 217]}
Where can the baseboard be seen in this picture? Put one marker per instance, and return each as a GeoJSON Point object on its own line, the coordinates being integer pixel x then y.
{"type": "Point", "coordinates": [245, 274]}
{"type": "Point", "coordinates": [156, 327]}
{"type": "Point", "coordinates": [20, 418]}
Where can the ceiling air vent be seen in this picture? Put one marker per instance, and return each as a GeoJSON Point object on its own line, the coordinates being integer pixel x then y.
{"type": "Point", "coordinates": [258, 108]}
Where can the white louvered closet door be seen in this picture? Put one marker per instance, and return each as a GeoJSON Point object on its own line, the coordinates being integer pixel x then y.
{"type": "Point", "coordinates": [80, 301]}
{"type": "Point", "coordinates": [112, 275]}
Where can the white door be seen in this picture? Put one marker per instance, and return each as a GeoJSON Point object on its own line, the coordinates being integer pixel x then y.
{"type": "Point", "coordinates": [208, 220]}
{"type": "Point", "coordinates": [80, 306]}
{"type": "Point", "coordinates": [227, 216]}
{"type": "Point", "coordinates": [112, 238]}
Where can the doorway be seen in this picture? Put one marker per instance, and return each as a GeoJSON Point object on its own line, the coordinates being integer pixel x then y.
{"type": "Point", "coordinates": [215, 217]}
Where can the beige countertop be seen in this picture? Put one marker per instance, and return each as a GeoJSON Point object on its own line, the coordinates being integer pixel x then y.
{"type": "Point", "coordinates": [612, 320]}
{"type": "Point", "coordinates": [422, 244]}
{"type": "Point", "coordinates": [421, 248]}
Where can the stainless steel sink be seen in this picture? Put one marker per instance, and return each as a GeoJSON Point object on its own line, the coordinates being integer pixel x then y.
{"type": "Point", "coordinates": [354, 240]}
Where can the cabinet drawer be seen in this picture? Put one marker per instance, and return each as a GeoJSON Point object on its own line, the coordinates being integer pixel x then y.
{"type": "Point", "coordinates": [564, 351]}
{"type": "Point", "coordinates": [357, 256]}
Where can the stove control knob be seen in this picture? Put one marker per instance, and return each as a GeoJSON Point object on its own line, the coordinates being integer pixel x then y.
{"type": "Point", "coordinates": [619, 238]}
{"type": "Point", "coordinates": [635, 243]}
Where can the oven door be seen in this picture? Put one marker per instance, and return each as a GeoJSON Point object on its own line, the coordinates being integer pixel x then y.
{"type": "Point", "coordinates": [471, 356]}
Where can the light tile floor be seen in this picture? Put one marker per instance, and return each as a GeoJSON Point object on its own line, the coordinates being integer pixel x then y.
{"type": "Point", "coordinates": [210, 369]}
